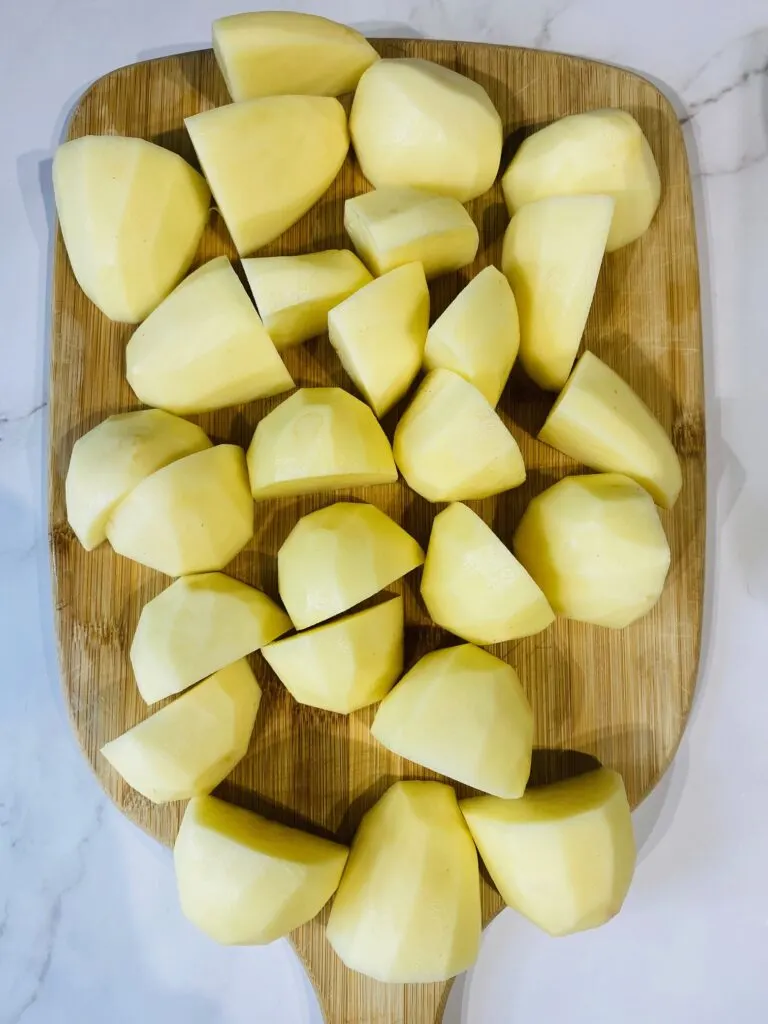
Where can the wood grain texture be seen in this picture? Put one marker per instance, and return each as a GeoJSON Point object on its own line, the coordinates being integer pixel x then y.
{"type": "Point", "coordinates": [620, 696]}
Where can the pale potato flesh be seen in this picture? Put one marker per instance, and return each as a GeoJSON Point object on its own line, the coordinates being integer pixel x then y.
{"type": "Point", "coordinates": [188, 747]}
{"type": "Point", "coordinates": [563, 855]}
{"type": "Point", "coordinates": [192, 516]}
{"type": "Point", "coordinates": [408, 907]}
{"type": "Point", "coordinates": [245, 880]}
{"type": "Point", "coordinates": [319, 439]}
{"type": "Point", "coordinates": [461, 712]}
{"type": "Point", "coordinates": [346, 664]}
{"type": "Point", "coordinates": [338, 556]}
{"type": "Point", "coordinates": [196, 626]}
{"type": "Point", "coordinates": [596, 547]}
{"type": "Point", "coordinates": [204, 347]}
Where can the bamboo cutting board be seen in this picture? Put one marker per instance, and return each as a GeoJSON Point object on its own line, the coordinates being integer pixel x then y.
{"type": "Point", "coordinates": [622, 697]}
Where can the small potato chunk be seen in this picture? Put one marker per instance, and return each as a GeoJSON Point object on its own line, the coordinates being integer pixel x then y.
{"type": "Point", "coordinates": [562, 855]}
{"type": "Point", "coordinates": [346, 664]}
{"type": "Point", "coordinates": [595, 546]}
{"type": "Point", "coordinates": [393, 226]}
{"type": "Point", "coordinates": [295, 293]}
{"type": "Point", "coordinates": [418, 123]}
{"type": "Point", "coordinates": [319, 439]}
{"type": "Point", "coordinates": [269, 160]}
{"type": "Point", "coordinates": [463, 713]}
{"type": "Point", "coordinates": [188, 747]}
{"type": "Point", "coordinates": [451, 445]}
{"type": "Point", "coordinates": [192, 516]}
{"type": "Point", "coordinates": [379, 334]}
{"type": "Point", "coordinates": [478, 335]}
{"type": "Point", "coordinates": [204, 347]}
{"type": "Point", "coordinates": [244, 880]}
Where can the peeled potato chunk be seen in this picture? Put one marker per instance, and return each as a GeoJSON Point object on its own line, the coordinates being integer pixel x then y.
{"type": "Point", "coordinates": [338, 556]}
{"type": "Point", "coordinates": [192, 516]}
{"type": "Point", "coordinates": [345, 664]}
{"type": "Point", "coordinates": [379, 334]}
{"type": "Point", "coordinates": [393, 226]}
{"type": "Point", "coordinates": [563, 855]}
{"type": "Point", "coordinates": [267, 53]}
{"type": "Point", "coordinates": [132, 215]}
{"type": "Point", "coordinates": [188, 747]}
{"type": "Point", "coordinates": [478, 335]}
{"type": "Point", "coordinates": [600, 152]}
{"type": "Point", "coordinates": [461, 712]}
{"type": "Point", "coordinates": [474, 586]}
{"type": "Point", "coordinates": [196, 626]}
{"type": "Point", "coordinates": [269, 160]}
{"type": "Point", "coordinates": [295, 293]}
{"type": "Point", "coordinates": [319, 439]}
{"type": "Point", "coordinates": [110, 460]}
{"type": "Point", "coordinates": [552, 254]}
{"type": "Point", "coordinates": [408, 907]}
{"type": "Point", "coordinates": [450, 444]}
{"type": "Point", "coordinates": [418, 123]}
{"type": "Point", "coordinates": [204, 347]}
{"type": "Point", "coordinates": [596, 547]}
{"type": "Point", "coordinates": [245, 880]}
{"type": "Point", "coordinates": [600, 421]}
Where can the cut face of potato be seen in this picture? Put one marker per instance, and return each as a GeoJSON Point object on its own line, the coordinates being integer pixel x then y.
{"type": "Point", "coordinates": [204, 347]}
{"type": "Point", "coordinates": [338, 556]}
{"type": "Point", "coordinates": [474, 586]}
{"type": "Point", "coordinates": [418, 123]}
{"type": "Point", "coordinates": [552, 254]}
{"type": "Point", "coordinates": [319, 439]}
{"type": "Point", "coordinates": [269, 160]}
{"type": "Point", "coordinates": [562, 855]}
{"type": "Point", "coordinates": [295, 293]}
{"type": "Point", "coordinates": [393, 226]}
{"type": "Point", "coordinates": [132, 215]}
{"type": "Point", "coordinates": [478, 335]}
{"type": "Point", "coordinates": [187, 748]}
{"type": "Point", "coordinates": [345, 664]}
{"type": "Point", "coordinates": [450, 444]}
{"type": "Point", "coordinates": [192, 516]}
{"type": "Point", "coordinates": [600, 421]}
{"type": "Point", "coordinates": [244, 880]}
{"type": "Point", "coordinates": [463, 713]}
{"type": "Point", "coordinates": [379, 334]}
{"type": "Point", "coordinates": [198, 625]}
{"type": "Point", "coordinates": [110, 460]}
{"type": "Point", "coordinates": [595, 546]}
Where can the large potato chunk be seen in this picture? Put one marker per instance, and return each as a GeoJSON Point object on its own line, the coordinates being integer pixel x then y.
{"type": "Point", "coordinates": [319, 439]}
{"type": "Point", "coordinates": [345, 664]}
{"type": "Point", "coordinates": [408, 907]}
{"type": "Point", "coordinates": [198, 625]}
{"type": "Point", "coordinates": [417, 123]}
{"type": "Point", "coordinates": [188, 747]}
{"type": "Point", "coordinates": [338, 556]}
{"type": "Point", "coordinates": [595, 546]}
{"type": "Point", "coordinates": [192, 516]}
{"type": "Point", "coordinates": [461, 712]}
{"type": "Point", "coordinates": [244, 880]}
{"type": "Point", "coordinates": [131, 214]}
{"type": "Point", "coordinates": [110, 460]}
{"type": "Point", "coordinates": [564, 854]}
{"type": "Point", "coordinates": [450, 444]}
{"type": "Point", "coordinates": [269, 160]}
{"type": "Point", "coordinates": [204, 347]}
{"type": "Point", "coordinates": [552, 254]}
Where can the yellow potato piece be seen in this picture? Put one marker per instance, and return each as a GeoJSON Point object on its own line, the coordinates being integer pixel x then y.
{"type": "Point", "coordinates": [563, 855]}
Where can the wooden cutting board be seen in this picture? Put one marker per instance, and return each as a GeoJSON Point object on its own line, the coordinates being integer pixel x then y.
{"type": "Point", "coordinates": [620, 696]}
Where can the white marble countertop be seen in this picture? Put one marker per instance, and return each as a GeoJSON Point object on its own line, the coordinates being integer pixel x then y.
{"type": "Point", "coordinates": [90, 930]}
